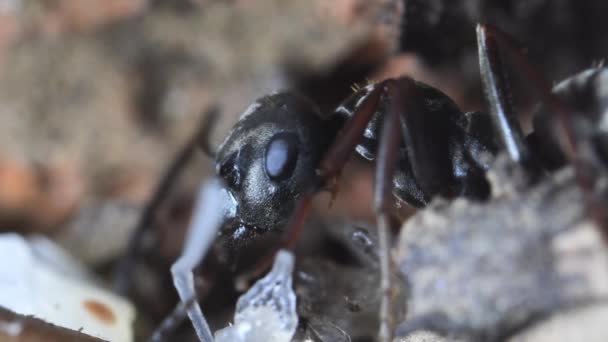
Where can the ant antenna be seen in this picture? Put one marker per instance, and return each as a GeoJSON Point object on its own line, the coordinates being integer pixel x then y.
{"type": "Point", "coordinates": [172, 174]}
{"type": "Point", "coordinates": [208, 123]}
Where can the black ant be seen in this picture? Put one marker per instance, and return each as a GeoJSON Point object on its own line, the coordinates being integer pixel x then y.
{"type": "Point", "coordinates": [283, 150]}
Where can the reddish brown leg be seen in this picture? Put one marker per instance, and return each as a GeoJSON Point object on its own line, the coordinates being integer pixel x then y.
{"type": "Point", "coordinates": [498, 96]}
{"type": "Point", "coordinates": [333, 162]}
{"type": "Point", "coordinates": [329, 168]}
{"type": "Point", "coordinates": [404, 119]}
{"type": "Point", "coordinates": [383, 189]}
{"type": "Point", "coordinates": [336, 158]}
{"type": "Point", "coordinates": [489, 38]}
{"type": "Point", "coordinates": [349, 136]}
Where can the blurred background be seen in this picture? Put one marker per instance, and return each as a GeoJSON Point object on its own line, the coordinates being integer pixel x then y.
{"type": "Point", "coordinates": [98, 96]}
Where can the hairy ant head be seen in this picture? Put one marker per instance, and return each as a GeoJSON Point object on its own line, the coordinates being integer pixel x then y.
{"type": "Point", "coordinates": [269, 159]}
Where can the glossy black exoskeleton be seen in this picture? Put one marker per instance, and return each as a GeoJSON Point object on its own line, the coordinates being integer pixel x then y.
{"type": "Point", "coordinates": [268, 159]}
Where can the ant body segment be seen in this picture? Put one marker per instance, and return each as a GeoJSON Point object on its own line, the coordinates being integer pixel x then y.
{"type": "Point", "coordinates": [283, 150]}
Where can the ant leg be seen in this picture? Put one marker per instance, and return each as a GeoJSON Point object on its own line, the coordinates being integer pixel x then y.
{"type": "Point", "coordinates": [171, 322]}
{"type": "Point", "coordinates": [123, 271]}
{"type": "Point", "coordinates": [329, 168]}
{"type": "Point", "coordinates": [497, 94]}
{"type": "Point", "coordinates": [405, 120]}
{"type": "Point", "coordinates": [341, 150]}
{"type": "Point", "coordinates": [210, 213]}
{"type": "Point", "coordinates": [350, 135]}
{"type": "Point", "coordinates": [383, 184]}
{"type": "Point", "coordinates": [488, 37]}
{"type": "Point", "coordinates": [334, 160]}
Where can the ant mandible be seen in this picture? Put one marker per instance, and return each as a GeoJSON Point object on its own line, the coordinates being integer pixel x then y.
{"type": "Point", "coordinates": [283, 150]}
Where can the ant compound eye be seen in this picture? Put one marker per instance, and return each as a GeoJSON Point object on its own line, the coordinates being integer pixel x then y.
{"type": "Point", "coordinates": [281, 156]}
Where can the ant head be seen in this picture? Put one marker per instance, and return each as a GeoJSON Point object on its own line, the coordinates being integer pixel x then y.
{"type": "Point", "coordinates": [268, 159]}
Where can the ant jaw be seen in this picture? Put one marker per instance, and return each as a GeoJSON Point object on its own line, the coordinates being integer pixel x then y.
{"type": "Point", "coordinates": [244, 232]}
{"type": "Point", "coordinates": [236, 234]}
{"type": "Point", "coordinates": [236, 241]}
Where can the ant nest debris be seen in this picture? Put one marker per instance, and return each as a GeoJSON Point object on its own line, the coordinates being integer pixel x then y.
{"type": "Point", "coordinates": [487, 271]}
{"type": "Point", "coordinates": [267, 311]}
